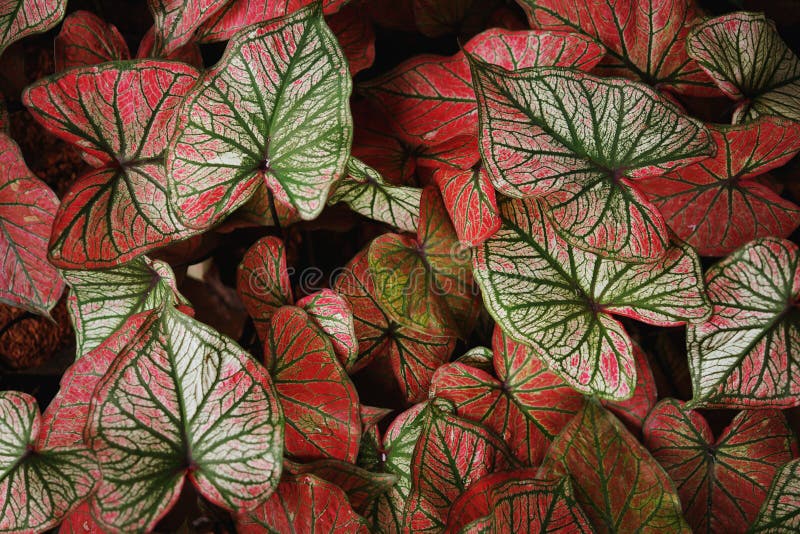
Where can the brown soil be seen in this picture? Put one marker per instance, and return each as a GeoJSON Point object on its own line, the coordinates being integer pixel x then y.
{"type": "Point", "coordinates": [27, 340]}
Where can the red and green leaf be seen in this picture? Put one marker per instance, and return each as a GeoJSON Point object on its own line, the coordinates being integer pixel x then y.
{"type": "Point", "coordinates": [746, 57]}
{"type": "Point", "coordinates": [715, 204]}
{"type": "Point", "coordinates": [560, 299]}
{"type": "Point", "coordinates": [320, 403]}
{"type": "Point", "coordinates": [27, 210]}
{"type": "Point", "coordinates": [86, 39]}
{"type": "Point", "coordinates": [580, 143]}
{"type": "Point", "coordinates": [470, 200]}
{"type": "Point", "coordinates": [332, 314]}
{"type": "Point", "coordinates": [633, 411]}
{"type": "Point", "coordinates": [262, 282]}
{"type": "Point", "coordinates": [20, 18]}
{"type": "Point", "coordinates": [780, 513]}
{"type": "Point", "coordinates": [273, 111]}
{"type": "Point", "coordinates": [354, 31]}
{"type": "Point", "coordinates": [177, 20]}
{"type": "Point", "coordinates": [721, 482]}
{"type": "Point", "coordinates": [747, 353]}
{"type": "Point", "coordinates": [619, 485]}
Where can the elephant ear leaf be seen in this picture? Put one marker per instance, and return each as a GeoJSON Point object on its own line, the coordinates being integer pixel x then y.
{"type": "Point", "coordinates": [258, 118]}
{"type": "Point", "coordinates": [20, 18]}
{"type": "Point", "coordinates": [86, 39]}
{"type": "Point", "coordinates": [750, 63]}
{"type": "Point", "coordinates": [27, 210]}
{"type": "Point", "coordinates": [754, 295]}
{"type": "Point", "coordinates": [779, 514]}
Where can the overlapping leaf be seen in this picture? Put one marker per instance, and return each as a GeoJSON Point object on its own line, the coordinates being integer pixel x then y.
{"type": "Point", "coordinates": [560, 299]}
{"type": "Point", "coordinates": [748, 60]}
{"type": "Point", "coordinates": [20, 18]}
{"type": "Point", "coordinates": [747, 353]}
{"type": "Point", "coordinates": [319, 401]}
{"type": "Point", "coordinates": [262, 281]}
{"type": "Point", "coordinates": [86, 39]}
{"type": "Point", "coordinates": [332, 314]}
{"type": "Point", "coordinates": [181, 400]}
{"type": "Point", "coordinates": [633, 411]}
{"type": "Point", "coordinates": [780, 513]}
{"type": "Point", "coordinates": [618, 483]}
{"type": "Point", "coordinates": [117, 114]}
{"type": "Point", "coordinates": [714, 204]}
{"type": "Point", "coordinates": [27, 209]}
{"type": "Point", "coordinates": [721, 482]}
{"type": "Point", "coordinates": [274, 110]}
{"type": "Point", "coordinates": [177, 20]}
{"type": "Point", "coordinates": [354, 31]}
{"type": "Point", "coordinates": [580, 143]}
{"type": "Point", "coordinates": [470, 200]}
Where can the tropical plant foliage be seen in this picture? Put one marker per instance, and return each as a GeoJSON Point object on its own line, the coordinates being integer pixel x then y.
{"type": "Point", "coordinates": [539, 272]}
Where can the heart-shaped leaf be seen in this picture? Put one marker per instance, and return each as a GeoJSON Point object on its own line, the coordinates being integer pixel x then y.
{"type": "Point", "coordinates": [262, 281]}
{"type": "Point", "coordinates": [303, 504]}
{"type": "Point", "coordinates": [580, 143]}
{"type": "Point", "coordinates": [619, 485]}
{"type": "Point", "coordinates": [331, 312]}
{"type": "Point", "coordinates": [202, 407]}
{"type": "Point", "coordinates": [560, 299]}
{"type": "Point", "coordinates": [470, 200]}
{"type": "Point", "coordinates": [367, 193]}
{"type": "Point", "coordinates": [526, 404]}
{"type": "Point", "coordinates": [644, 39]}
{"type": "Point", "coordinates": [747, 354]}
{"type": "Point", "coordinates": [86, 39]}
{"type": "Point", "coordinates": [27, 209]}
{"type": "Point", "coordinates": [721, 482]}
{"type": "Point", "coordinates": [319, 401]}
{"type": "Point", "coordinates": [20, 18]}
{"type": "Point", "coordinates": [746, 57]}
{"type": "Point", "coordinates": [354, 31]}
{"type": "Point", "coordinates": [260, 116]}
{"type": "Point", "coordinates": [779, 513]}
{"type": "Point", "coordinates": [116, 113]}
{"type": "Point", "coordinates": [177, 20]}
{"type": "Point", "coordinates": [715, 205]}
{"type": "Point", "coordinates": [44, 472]}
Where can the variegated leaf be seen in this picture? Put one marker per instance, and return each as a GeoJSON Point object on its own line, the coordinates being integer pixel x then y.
{"type": "Point", "coordinates": [619, 485]}
{"type": "Point", "coordinates": [747, 354]}
{"type": "Point", "coordinates": [470, 200]}
{"type": "Point", "coordinates": [633, 411]}
{"type": "Point", "coordinates": [750, 63]}
{"type": "Point", "coordinates": [479, 358]}
{"type": "Point", "coordinates": [714, 204]}
{"type": "Point", "coordinates": [177, 20]}
{"type": "Point", "coordinates": [560, 299]}
{"type": "Point", "coordinates": [86, 39]}
{"type": "Point", "coordinates": [580, 143]}
{"type": "Point", "coordinates": [262, 281]}
{"type": "Point", "coordinates": [780, 513]}
{"type": "Point", "coordinates": [333, 315]}
{"type": "Point", "coordinates": [721, 482]}
{"type": "Point", "coordinates": [353, 29]}
{"type": "Point", "coordinates": [274, 110]}
{"type": "Point", "coordinates": [320, 403]}
{"type": "Point", "coordinates": [20, 18]}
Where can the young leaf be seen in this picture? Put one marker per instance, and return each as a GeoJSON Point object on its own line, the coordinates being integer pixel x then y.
{"type": "Point", "coordinates": [550, 295]}
{"type": "Point", "coordinates": [27, 209]}
{"type": "Point", "coordinates": [319, 401]}
{"type": "Point", "coordinates": [332, 314]}
{"type": "Point", "coordinates": [469, 198]}
{"type": "Point", "coordinates": [203, 409]}
{"type": "Point", "coordinates": [721, 482]}
{"type": "Point", "coordinates": [117, 114]}
{"type": "Point", "coordinates": [354, 31]}
{"type": "Point", "coordinates": [86, 39]}
{"type": "Point", "coordinates": [580, 143]}
{"type": "Point", "coordinates": [617, 483]}
{"type": "Point", "coordinates": [303, 504]}
{"type": "Point", "coordinates": [747, 354]}
{"type": "Point", "coordinates": [644, 40]}
{"type": "Point", "coordinates": [262, 281]}
{"type": "Point", "coordinates": [177, 20]}
{"type": "Point", "coordinates": [20, 18]}
{"type": "Point", "coordinates": [780, 513]}
{"type": "Point", "coordinates": [274, 110]}
{"type": "Point", "coordinates": [714, 204]}
{"type": "Point", "coordinates": [748, 60]}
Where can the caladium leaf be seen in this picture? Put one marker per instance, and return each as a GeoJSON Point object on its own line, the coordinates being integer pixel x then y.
{"type": "Point", "coordinates": [644, 40]}
{"type": "Point", "coordinates": [204, 409]}
{"type": "Point", "coordinates": [619, 485]}
{"type": "Point", "coordinates": [262, 281]}
{"type": "Point", "coordinates": [80, 521]}
{"type": "Point", "coordinates": [721, 482]}
{"type": "Point", "coordinates": [469, 198]}
{"type": "Point", "coordinates": [86, 39]}
{"type": "Point", "coordinates": [431, 98]}
{"type": "Point", "coordinates": [177, 20]}
{"type": "Point", "coordinates": [116, 113]}
{"type": "Point", "coordinates": [779, 513]}
{"type": "Point", "coordinates": [319, 401]}
{"type": "Point", "coordinates": [367, 193]}
{"type": "Point", "coordinates": [714, 204]}
{"type": "Point", "coordinates": [425, 283]}
{"type": "Point", "coordinates": [27, 209]}
{"type": "Point", "coordinates": [20, 18]}
{"type": "Point", "coordinates": [733, 355]}
{"type": "Point", "coordinates": [526, 404]}
{"type": "Point", "coordinates": [303, 504]}
{"type": "Point", "coordinates": [479, 358]}
{"type": "Point", "coordinates": [100, 302]}
{"type": "Point", "coordinates": [257, 117]}
{"type": "Point", "coordinates": [354, 31]}
{"type": "Point", "coordinates": [43, 471]}
{"type": "Point", "coordinates": [748, 60]}
{"type": "Point", "coordinates": [332, 314]}
{"type": "Point", "coordinates": [580, 143]}
{"type": "Point", "coordinates": [188, 53]}
{"type": "Point", "coordinates": [560, 299]}
{"type": "Point", "coordinates": [633, 411]}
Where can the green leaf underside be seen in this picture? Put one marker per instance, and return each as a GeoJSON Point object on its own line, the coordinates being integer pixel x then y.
{"type": "Point", "coordinates": [274, 110]}
{"type": "Point", "coordinates": [555, 297]}
{"type": "Point", "coordinates": [780, 513]}
{"type": "Point", "coordinates": [580, 142]}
